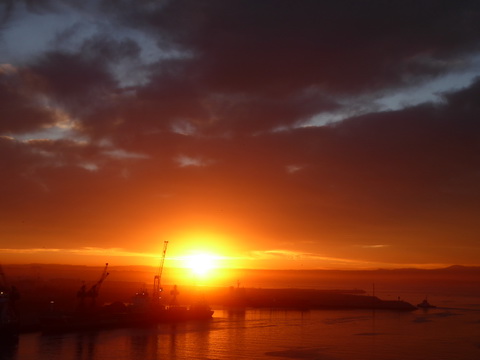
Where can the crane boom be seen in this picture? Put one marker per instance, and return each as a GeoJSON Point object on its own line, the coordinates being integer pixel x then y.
{"type": "Point", "coordinates": [95, 289]}
{"type": "Point", "coordinates": [157, 288]}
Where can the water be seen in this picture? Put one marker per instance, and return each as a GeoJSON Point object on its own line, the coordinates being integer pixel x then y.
{"type": "Point", "coordinates": [442, 333]}
{"type": "Point", "coordinates": [451, 331]}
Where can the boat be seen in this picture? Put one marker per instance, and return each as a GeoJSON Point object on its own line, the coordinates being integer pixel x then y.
{"type": "Point", "coordinates": [152, 308]}
{"type": "Point", "coordinates": [200, 311]}
{"type": "Point", "coordinates": [426, 305]}
{"type": "Point", "coordinates": [142, 311]}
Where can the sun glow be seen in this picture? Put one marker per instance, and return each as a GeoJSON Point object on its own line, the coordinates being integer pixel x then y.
{"type": "Point", "coordinates": [200, 264]}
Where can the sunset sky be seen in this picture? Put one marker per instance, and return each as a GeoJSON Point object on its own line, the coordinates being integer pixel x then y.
{"type": "Point", "coordinates": [263, 134]}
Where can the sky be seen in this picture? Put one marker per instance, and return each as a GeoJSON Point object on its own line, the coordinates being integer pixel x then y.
{"type": "Point", "coordinates": [262, 134]}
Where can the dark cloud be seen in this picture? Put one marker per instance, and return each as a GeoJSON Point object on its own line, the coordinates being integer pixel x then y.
{"type": "Point", "coordinates": [278, 46]}
{"type": "Point", "coordinates": [251, 61]}
{"type": "Point", "coordinates": [74, 81]}
{"type": "Point", "coordinates": [108, 49]}
{"type": "Point", "coordinates": [250, 56]}
{"type": "Point", "coordinates": [21, 110]}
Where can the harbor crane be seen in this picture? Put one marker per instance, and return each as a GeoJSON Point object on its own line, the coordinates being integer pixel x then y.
{"type": "Point", "coordinates": [93, 291]}
{"type": "Point", "coordinates": [157, 287]}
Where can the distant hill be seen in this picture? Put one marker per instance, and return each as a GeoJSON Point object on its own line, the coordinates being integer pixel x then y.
{"type": "Point", "coordinates": [319, 279]}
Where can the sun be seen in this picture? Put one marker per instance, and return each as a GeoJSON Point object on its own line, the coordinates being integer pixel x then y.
{"type": "Point", "coordinates": [200, 264]}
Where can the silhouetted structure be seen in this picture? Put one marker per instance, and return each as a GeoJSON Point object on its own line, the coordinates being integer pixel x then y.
{"type": "Point", "coordinates": [426, 305]}
{"type": "Point", "coordinates": [174, 293]}
{"type": "Point", "coordinates": [9, 322]}
{"type": "Point", "coordinates": [144, 310]}
{"type": "Point", "coordinates": [92, 293]}
{"type": "Point", "coordinates": [157, 287]}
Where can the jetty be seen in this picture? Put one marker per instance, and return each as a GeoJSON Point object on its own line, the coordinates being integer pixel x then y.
{"type": "Point", "coordinates": [304, 299]}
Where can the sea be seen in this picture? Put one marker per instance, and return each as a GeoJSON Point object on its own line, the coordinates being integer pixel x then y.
{"type": "Point", "coordinates": [449, 331]}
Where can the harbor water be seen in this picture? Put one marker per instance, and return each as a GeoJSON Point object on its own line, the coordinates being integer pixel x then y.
{"type": "Point", "coordinates": [450, 331]}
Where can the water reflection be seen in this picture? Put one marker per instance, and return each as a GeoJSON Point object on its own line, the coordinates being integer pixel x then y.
{"type": "Point", "coordinates": [264, 334]}
{"type": "Point", "coordinates": [198, 337]}
{"type": "Point", "coordinates": [236, 331]}
{"type": "Point", "coordinates": [173, 341]}
{"type": "Point", "coordinates": [188, 338]}
{"type": "Point", "coordinates": [144, 344]}
{"type": "Point", "coordinates": [236, 313]}
{"type": "Point", "coordinates": [51, 345]}
{"type": "Point", "coordinates": [85, 346]}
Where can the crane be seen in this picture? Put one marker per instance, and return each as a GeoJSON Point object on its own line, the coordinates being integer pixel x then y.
{"type": "Point", "coordinates": [157, 288]}
{"type": "Point", "coordinates": [93, 291]}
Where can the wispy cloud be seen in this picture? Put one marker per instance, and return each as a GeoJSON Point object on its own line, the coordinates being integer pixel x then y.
{"type": "Point", "coordinates": [374, 246]}
{"type": "Point", "coordinates": [191, 161]}
{"type": "Point", "coordinates": [294, 168]}
{"type": "Point", "coordinates": [123, 154]}
{"type": "Point", "coordinates": [299, 256]}
{"type": "Point", "coordinates": [85, 251]}
{"type": "Point", "coordinates": [306, 260]}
